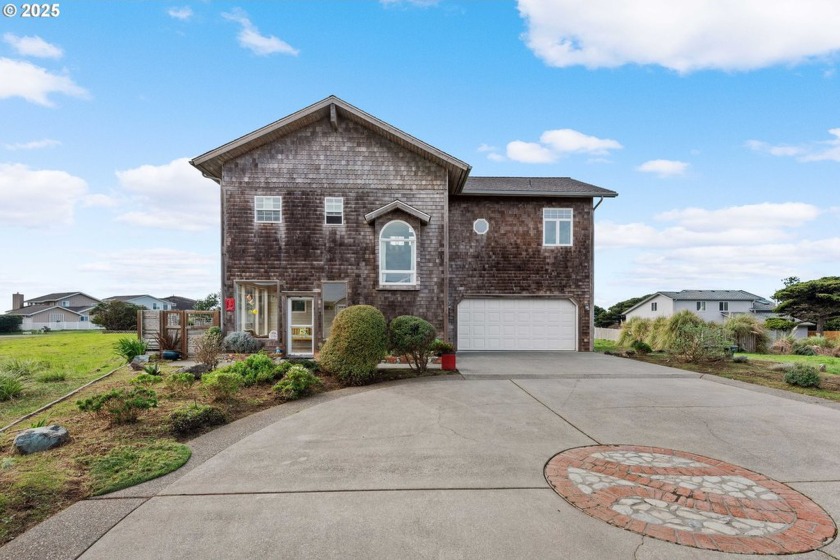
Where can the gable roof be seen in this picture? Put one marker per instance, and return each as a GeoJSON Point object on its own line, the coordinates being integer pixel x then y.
{"type": "Point", "coordinates": [211, 163]}
{"type": "Point", "coordinates": [398, 205]}
{"type": "Point", "coordinates": [708, 295]}
{"type": "Point", "coordinates": [57, 296]}
{"type": "Point", "coordinates": [30, 310]}
{"type": "Point", "coordinates": [131, 297]}
{"type": "Point", "coordinates": [533, 186]}
{"type": "Point", "coordinates": [180, 302]}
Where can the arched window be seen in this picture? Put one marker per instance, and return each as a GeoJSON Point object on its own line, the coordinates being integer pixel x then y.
{"type": "Point", "coordinates": [397, 254]}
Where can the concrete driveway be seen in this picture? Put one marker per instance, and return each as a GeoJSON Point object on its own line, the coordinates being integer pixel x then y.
{"type": "Point", "coordinates": [449, 467]}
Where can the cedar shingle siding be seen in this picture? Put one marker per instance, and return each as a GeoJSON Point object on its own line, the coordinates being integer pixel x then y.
{"type": "Point", "coordinates": [314, 158]}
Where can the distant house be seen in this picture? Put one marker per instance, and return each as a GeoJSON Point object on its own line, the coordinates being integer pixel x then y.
{"type": "Point", "coordinates": [144, 300]}
{"type": "Point", "coordinates": [180, 303]}
{"type": "Point", "coordinates": [709, 305]}
{"type": "Point", "coordinates": [58, 311]}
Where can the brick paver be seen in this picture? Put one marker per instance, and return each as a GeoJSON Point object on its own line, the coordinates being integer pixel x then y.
{"type": "Point", "coordinates": [689, 499]}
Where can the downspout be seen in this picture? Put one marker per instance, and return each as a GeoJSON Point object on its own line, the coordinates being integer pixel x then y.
{"type": "Point", "coordinates": [592, 278]}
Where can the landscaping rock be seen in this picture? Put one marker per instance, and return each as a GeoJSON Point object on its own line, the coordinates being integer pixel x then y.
{"type": "Point", "coordinates": [41, 439]}
{"type": "Point", "coordinates": [139, 362]}
{"type": "Point", "coordinates": [821, 367]}
{"type": "Point", "coordinates": [197, 370]}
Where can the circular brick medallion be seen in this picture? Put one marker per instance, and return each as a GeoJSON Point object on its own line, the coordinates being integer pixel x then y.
{"type": "Point", "coordinates": [689, 499]}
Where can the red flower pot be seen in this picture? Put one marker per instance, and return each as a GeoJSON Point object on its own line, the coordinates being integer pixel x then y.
{"type": "Point", "coordinates": [447, 362]}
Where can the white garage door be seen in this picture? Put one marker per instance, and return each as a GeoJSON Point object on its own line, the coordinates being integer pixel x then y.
{"type": "Point", "coordinates": [517, 324]}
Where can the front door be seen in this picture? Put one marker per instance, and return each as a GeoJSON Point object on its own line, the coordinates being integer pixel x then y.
{"type": "Point", "coordinates": [301, 320]}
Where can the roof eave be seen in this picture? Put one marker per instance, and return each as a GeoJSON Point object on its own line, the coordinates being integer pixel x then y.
{"type": "Point", "coordinates": [611, 194]}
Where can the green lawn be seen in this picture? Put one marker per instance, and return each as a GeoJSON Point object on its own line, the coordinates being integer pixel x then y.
{"type": "Point", "coordinates": [604, 345]}
{"type": "Point", "coordinates": [80, 356]}
{"type": "Point", "coordinates": [832, 365]}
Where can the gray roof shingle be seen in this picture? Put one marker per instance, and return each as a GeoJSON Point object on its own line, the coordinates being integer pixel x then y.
{"type": "Point", "coordinates": [533, 186]}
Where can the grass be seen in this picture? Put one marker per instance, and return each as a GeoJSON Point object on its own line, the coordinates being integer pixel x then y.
{"type": "Point", "coordinates": [832, 364]}
{"type": "Point", "coordinates": [128, 465]}
{"type": "Point", "coordinates": [604, 345]}
{"type": "Point", "coordinates": [77, 356]}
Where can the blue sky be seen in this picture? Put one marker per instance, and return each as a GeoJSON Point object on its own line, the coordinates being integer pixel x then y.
{"type": "Point", "coordinates": [720, 129]}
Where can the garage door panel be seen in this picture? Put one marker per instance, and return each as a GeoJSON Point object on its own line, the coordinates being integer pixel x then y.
{"type": "Point", "coordinates": [517, 324]}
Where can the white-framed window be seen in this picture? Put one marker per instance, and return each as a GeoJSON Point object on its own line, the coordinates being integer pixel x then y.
{"type": "Point", "coordinates": [268, 209]}
{"type": "Point", "coordinates": [724, 306]}
{"type": "Point", "coordinates": [84, 318]}
{"type": "Point", "coordinates": [481, 226]}
{"type": "Point", "coordinates": [154, 306]}
{"type": "Point", "coordinates": [397, 254]}
{"type": "Point", "coordinates": [653, 306]}
{"type": "Point", "coordinates": [333, 210]}
{"type": "Point", "coordinates": [701, 306]}
{"type": "Point", "coordinates": [56, 317]}
{"type": "Point", "coordinates": [557, 227]}
{"type": "Point", "coordinates": [65, 303]}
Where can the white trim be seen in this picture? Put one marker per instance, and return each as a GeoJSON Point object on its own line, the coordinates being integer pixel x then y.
{"type": "Point", "coordinates": [310, 326]}
{"type": "Point", "coordinates": [259, 206]}
{"type": "Point", "coordinates": [328, 213]}
{"type": "Point", "coordinates": [555, 220]}
{"type": "Point", "coordinates": [412, 242]}
{"type": "Point", "coordinates": [482, 224]}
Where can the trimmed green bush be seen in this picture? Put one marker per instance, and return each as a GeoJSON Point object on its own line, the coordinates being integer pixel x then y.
{"type": "Point", "coordinates": [240, 343]}
{"type": "Point", "coordinates": [123, 407]}
{"type": "Point", "coordinates": [194, 418]}
{"type": "Point", "coordinates": [11, 387]}
{"type": "Point", "coordinates": [779, 324]}
{"type": "Point", "coordinates": [440, 347]}
{"type": "Point", "coordinates": [298, 382]}
{"type": "Point", "coordinates": [803, 350]}
{"type": "Point", "coordinates": [357, 343]}
{"type": "Point", "coordinates": [699, 343]}
{"type": "Point", "coordinates": [222, 385]}
{"type": "Point", "coordinates": [145, 379]}
{"type": "Point", "coordinates": [10, 323]}
{"type": "Point", "coordinates": [803, 375]}
{"type": "Point", "coordinates": [413, 337]}
{"type": "Point", "coordinates": [180, 383]}
{"type": "Point", "coordinates": [129, 348]}
{"type": "Point", "coordinates": [641, 347]}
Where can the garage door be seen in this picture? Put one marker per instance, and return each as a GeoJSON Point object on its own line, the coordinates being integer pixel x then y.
{"type": "Point", "coordinates": [517, 324]}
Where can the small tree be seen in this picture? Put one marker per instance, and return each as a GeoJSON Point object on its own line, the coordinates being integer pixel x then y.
{"type": "Point", "coordinates": [816, 300]}
{"type": "Point", "coordinates": [116, 315]}
{"type": "Point", "coordinates": [209, 303]}
{"type": "Point", "coordinates": [412, 336]}
{"type": "Point", "coordinates": [10, 323]}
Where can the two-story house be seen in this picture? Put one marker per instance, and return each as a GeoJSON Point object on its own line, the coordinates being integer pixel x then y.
{"type": "Point", "coordinates": [57, 311]}
{"type": "Point", "coordinates": [331, 207]}
{"type": "Point", "coordinates": [709, 305]}
{"type": "Point", "coordinates": [144, 300]}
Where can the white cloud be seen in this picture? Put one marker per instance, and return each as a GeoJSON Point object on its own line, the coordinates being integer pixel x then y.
{"type": "Point", "coordinates": [33, 145]}
{"type": "Point", "coordinates": [568, 141]}
{"type": "Point", "coordinates": [826, 150]}
{"type": "Point", "coordinates": [558, 143]}
{"type": "Point", "coordinates": [496, 157]}
{"type": "Point", "coordinates": [159, 271]}
{"type": "Point", "coordinates": [99, 200]}
{"type": "Point", "coordinates": [251, 38]}
{"type": "Point", "coordinates": [32, 45]}
{"type": "Point", "coordinates": [33, 83]}
{"type": "Point", "coordinates": [41, 198]}
{"type": "Point", "coordinates": [529, 152]}
{"type": "Point", "coordinates": [487, 148]}
{"type": "Point", "coordinates": [170, 196]}
{"type": "Point", "coordinates": [184, 13]}
{"type": "Point", "coordinates": [683, 36]}
{"type": "Point", "coordinates": [663, 167]}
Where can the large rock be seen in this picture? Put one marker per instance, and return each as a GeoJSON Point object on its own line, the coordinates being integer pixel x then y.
{"type": "Point", "coordinates": [139, 362]}
{"type": "Point", "coordinates": [41, 439]}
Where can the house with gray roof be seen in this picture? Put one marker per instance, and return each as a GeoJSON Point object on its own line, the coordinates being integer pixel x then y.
{"type": "Point", "coordinates": [56, 311]}
{"type": "Point", "coordinates": [144, 300]}
{"type": "Point", "coordinates": [331, 206]}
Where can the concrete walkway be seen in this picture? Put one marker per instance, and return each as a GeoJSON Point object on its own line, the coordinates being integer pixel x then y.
{"type": "Point", "coordinates": [448, 467]}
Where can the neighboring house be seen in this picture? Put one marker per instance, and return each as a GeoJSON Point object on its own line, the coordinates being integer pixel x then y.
{"type": "Point", "coordinates": [331, 207]}
{"type": "Point", "coordinates": [58, 311]}
{"type": "Point", "coordinates": [144, 300]}
{"type": "Point", "coordinates": [180, 303]}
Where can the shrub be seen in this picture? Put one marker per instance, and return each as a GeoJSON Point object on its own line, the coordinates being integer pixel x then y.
{"type": "Point", "coordinates": [11, 386]}
{"type": "Point", "coordinates": [208, 348]}
{"type": "Point", "coordinates": [145, 379]}
{"type": "Point", "coordinates": [440, 347]}
{"type": "Point", "coordinates": [152, 369]}
{"type": "Point", "coordinates": [803, 375]}
{"type": "Point", "coordinates": [129, 348]}
{"type": "Point", "coordinates": [783, 345]}
{"type": "Point", "coordinates": [412, 336]}
{"type": "Point", "coordinates": [240, 343]}
{"type": "Point", "coordinates": [180, 383]}
{"type": "Point", "coordinates": [641, 347]}
{"type": "Point", "coordinates": [115, 315]}
{"type": "Point", "coordinates": [298, 382]}
{"type": "Point", "coordinates": [699, 343]}
{"type": "Point", "coordinates": [778, 324]}
{"type": "Point", "coordinates": [123, 407]}
{"type": "Point", "coordinates": [357, 343]}
{"type": "Point", "coordinates": [740, 359]}
{"type": "Point", "coordinates": [215, 331]}
{"type": "Point", "coordinates": [168, 339]}
{"type": "Point", "coordinates": [804, 347]}
{"type": "Point", "coordinates": [634, 329]}
{"type": "Point", "coordinates": [747, 332]}
{"type": "Point", "coordinates": [51, 377]}
{"type": "Point", "coordinates": [256, 368]}
{"type": "Point", "coordinates": [311, 365]}
{"type": "Point", "coordinates": [193, 418]}
{"type": "Point", "coordinates": [679, 324]}
{"type": "Point", "coordinates": [221, 385]}
{"type": "Point", "coordinates": [10, 323]}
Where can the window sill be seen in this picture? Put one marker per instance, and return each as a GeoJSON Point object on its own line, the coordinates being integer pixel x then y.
{"type": "Point", "coordinates": [398, 287]}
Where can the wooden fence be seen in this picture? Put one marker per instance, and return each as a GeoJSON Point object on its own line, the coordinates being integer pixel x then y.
{"type": "Point", "coordinates": [187, 325]}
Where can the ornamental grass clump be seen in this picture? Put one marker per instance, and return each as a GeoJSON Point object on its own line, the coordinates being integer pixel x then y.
{"type": "Point", "coordinates": [11, 386]}
{"type": "Point", "coordinates": [412, 337]}
{"type": "Point", "coordinates": [357, 343]}
{"type": "Point", "coordinates": [129, 348]}
{"type": "Point", "coordinates": [747, 332]}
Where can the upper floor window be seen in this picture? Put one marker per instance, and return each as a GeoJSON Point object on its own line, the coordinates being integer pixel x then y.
{"type": "Point", "coordinates": [653, 306]}
{"type": "Point", "coordinates": [268, 209]}
{"type": "Point", "coordinates": [701, 306]}
{"type": "Point", "coordinates": [397, 254]}
{"type": "Point", "coordinates": [65, 303]}
{"type": "Point", "coordinates": [333, 210]}
{"type": "Point", "coordinates": [557, 227]}
{"type": "Point", "coordinates": [724, 306]}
